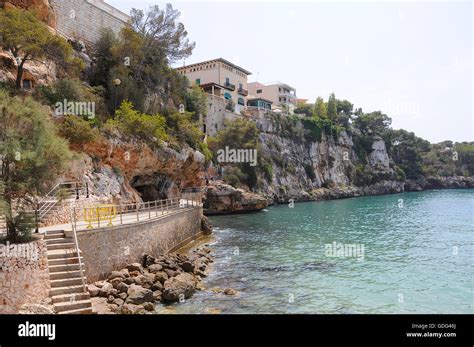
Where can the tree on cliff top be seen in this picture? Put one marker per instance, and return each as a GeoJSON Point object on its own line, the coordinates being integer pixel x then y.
{"type": "Point", "coordinates": [320, 109]}
{"type": "Point", "coordinates": [140, 59]}
{"type": "Point", "coordinates": [166, 37]}
{"type": "Point", "coordinates": [31, 156]}
{"type": "Point", "coordinates": [28, 39]}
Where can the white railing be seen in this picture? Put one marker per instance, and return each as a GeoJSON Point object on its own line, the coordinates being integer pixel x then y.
{"type": "Point", "coordinates": [110, 215]}
{"type": "Point", "coordinates": [78, 251]}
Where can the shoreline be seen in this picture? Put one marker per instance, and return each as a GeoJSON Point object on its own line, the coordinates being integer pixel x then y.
{"type": "Point", "coordinates": [358, 196]}
{"type": "Point", "coordinates": [237, 201]}
{"type": "Point", "coordinates": [186, 269]}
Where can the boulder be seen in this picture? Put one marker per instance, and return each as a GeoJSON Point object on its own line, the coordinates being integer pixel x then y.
{"type": "Point", "coordinates": [157, 295]}
{"type": "Point", "coordinates": [171, 273]}
{"type": "Point", "coordinates": [144, 281]}
{"type": "Point", "coordinates": [135, 273]}
{"type": "Point", "coordinates": [157, 286]}
{"type": "Point", "coordinates": [119, 302]}
{"type": "Point", "coordinates": [224, 199]}
{"type": "Point", "coordinates": [187, 266]}
{"type": "Point", "coordinates": [116, 274]}
{"type": "Point", "coordinates": [148, 260]}
{"type": "Point", "coordinates": [148, 306]}
{"type": "Point", "coordinates": [116, 282]}
{"type": "Point", "coordinates": [122, 287]}
{"type": "Point", "coordinates": [105, 290]}
{"type": "Point", "coordinates": [125, 273]}
{"type": "Point", "coordinates": [138, 295]}
{"type": "Point", "coordinates": [230, 291]}
{"type": "Point", "coordinates": [183, 284]}
{"type": "Point", "coordinates": [129, 280]}
{"type": "Point", "coordinates": [135, 267]}
{"type": "Point", "coordinates": [132, 309]}
{"type": "Point", "coordinates": [161, 277]}
{"type": "Point", "coordinates": [93, 290]}
{"type": "Point", "coordinates": [155, 268]}
{"type": "Point", "coordinates": [100, 284]}
{"type": "Point", "coordinates": [206, 226]}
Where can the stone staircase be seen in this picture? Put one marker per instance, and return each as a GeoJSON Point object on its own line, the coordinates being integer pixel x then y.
{"type": "Point", "coordinates": [67, 291]}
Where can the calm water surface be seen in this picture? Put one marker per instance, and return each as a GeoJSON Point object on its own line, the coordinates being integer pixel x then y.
{"type": "Point", "coordinates": [417, 257]}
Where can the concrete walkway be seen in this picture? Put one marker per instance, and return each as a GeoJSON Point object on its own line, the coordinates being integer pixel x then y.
{"type": "Point", "coordinates": [123, 219]}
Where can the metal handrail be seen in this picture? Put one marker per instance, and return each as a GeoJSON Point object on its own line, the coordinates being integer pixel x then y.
{"type": "Point", "coordinates": [52, 192]}
{"type": "Point", "coordinates": [50, 200]}
{"type": "Point", "coordinates": [76, 244]}
{"type": "Point", "coordinates": [137, 212]}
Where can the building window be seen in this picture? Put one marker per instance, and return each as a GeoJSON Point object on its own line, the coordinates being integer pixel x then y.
{"type": "Point", "coordinates": [27, 84]}
{"type": "Point", "coordinates": [259, 91]}
{"type": "Point", "coordinates": [227, 81]}
{"type": "Point", "coordinates": [227, 96]}
{"type": "Point", "coordinates": [241, 101]}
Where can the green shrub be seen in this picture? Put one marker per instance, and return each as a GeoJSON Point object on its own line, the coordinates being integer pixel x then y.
{"type": "Point", "coordinates": [362, 147]}
{"type": "Point", "coordinates": [186, 130]}
{"type": "Point", "coordinates": [309, 169]}
{"type": "Point", "coordinates": [363, 176]}
{"type": "Point", "coordinates": [134, 123]}
{"type": "Point", "coordinates": [329, 183]}
{"type": "Point", "coordinates": [232, 179]}
{"type": "Point", "coordinates": [399, 174]}
{"type": "Point", "coordinates": [196, 101]}
{"type": "Point", "coordinates": [78, 130]}
{"type": "Point", "coordinates": [32, 156]}
{"type": "Point", "coordinates": [70, 90]}
{"type": "Point", "coordinates": [267, 170]}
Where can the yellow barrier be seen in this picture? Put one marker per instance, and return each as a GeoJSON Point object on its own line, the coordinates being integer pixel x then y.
{"type": "Point", "coordinates": [98, 214]}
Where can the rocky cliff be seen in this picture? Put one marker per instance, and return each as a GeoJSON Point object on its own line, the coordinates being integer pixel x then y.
{"type": "Point", "coordinates": [307, 170]}
{"type": "Point", "coordinates": [42, 8]}
{"type": "Point", "coordinates": [297, 168]}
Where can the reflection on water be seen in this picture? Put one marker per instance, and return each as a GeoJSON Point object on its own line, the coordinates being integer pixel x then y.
{"type": "Point", "coordinates": [417, 259]}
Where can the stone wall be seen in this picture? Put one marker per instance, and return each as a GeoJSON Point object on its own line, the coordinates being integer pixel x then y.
{"type": "Point", "coordinates": [217, 114]}
{"type": "Point", "coordinates": [105, 250]}
{"type": "Point", "coordinates": [24, 275]}
{"type": "Point", "coordinates": [83, 19]}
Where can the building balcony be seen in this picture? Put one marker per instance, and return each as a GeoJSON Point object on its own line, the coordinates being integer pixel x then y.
{"type": "Point", "coordinates": [288, 95]}
{"type": "Point", "coordinates": [243, 92]}
{"type": "Point", "coordinates": [229, 86]}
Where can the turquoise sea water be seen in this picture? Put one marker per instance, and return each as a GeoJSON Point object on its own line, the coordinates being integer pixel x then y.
{"type": "Point", "coordinates": [417, 257]}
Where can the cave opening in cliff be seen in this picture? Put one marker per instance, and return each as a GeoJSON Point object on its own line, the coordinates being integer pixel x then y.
{"type": "Point", "coordinates": [153, 187]}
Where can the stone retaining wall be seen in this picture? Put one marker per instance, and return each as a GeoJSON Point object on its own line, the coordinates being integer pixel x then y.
{"type": "Point", "coordinates": [83, 19]}
{"type": "Point", "coordinates": [108, 249]}
{"type": "Point", "coordinates": [24, 275]}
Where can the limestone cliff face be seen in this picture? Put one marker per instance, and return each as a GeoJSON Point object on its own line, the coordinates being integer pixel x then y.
{"type": "Point", "coordinates": [43, 9]}
{"type": "Point", "coordinates": [126, 172]}
{"type": "Point", "coordinates": [307, 170]}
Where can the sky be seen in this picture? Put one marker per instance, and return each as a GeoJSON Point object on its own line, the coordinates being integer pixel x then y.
{"type": "Point", "coordinates": [411, 60]}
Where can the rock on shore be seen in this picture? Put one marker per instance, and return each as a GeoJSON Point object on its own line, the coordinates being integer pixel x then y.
{"type": "Point", "coordinates": [222, 198]}
{"type": "Point", "coordinates": [139, 286]}
{"type": "Point", "coordinates": [439, 182]}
